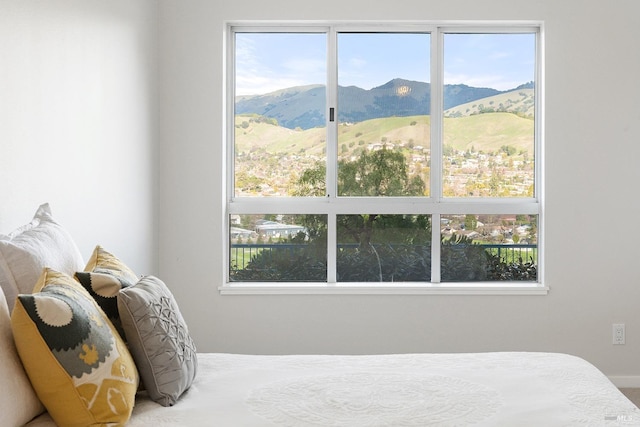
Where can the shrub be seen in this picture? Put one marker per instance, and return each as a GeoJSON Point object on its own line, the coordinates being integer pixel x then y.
{"type": "Point", "coordinates": [462, 261]}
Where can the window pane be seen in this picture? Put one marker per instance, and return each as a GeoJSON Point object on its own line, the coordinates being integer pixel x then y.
{"type": "Point", "coordinates": [489, 119]}
{"type": "Point", "coordinates": [489, 248]}
{"type": "Point", "coordinates": [384, 248]}
{"type": "Point", "coordinates": [383, 114]}
{"type": "Point", "coordinates": [280, 127]}
{"type": "Point", "coordinates": [278, 248]}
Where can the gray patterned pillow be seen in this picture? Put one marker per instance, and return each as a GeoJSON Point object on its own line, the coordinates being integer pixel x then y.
{"type": "Point", "coordinates": [158, 339]}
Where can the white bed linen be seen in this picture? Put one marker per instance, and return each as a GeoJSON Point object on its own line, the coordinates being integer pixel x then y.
{"type": "Point", "coordinates": [482, 389]}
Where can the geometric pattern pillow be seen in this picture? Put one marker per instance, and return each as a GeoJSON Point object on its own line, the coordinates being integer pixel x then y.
{"type": "Point", "coordinates": [104, 276]}
{"type": "Point", "coordinates": [77, 363]}
{"type": "Point", "coordinates": [158, 339]}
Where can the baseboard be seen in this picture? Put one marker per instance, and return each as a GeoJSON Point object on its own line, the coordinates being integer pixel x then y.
{"type": "Point", "coordinates": [625, 381]}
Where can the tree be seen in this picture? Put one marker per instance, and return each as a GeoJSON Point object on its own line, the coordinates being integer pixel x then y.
{"type": "Point", "coordinates": [311, 182]}
{"type": "Point", "coordinates": [470, 222]}
{"type": "Point", "coordinates": [378, 173]}
{"type": "Point", "coordinates": [377, 247]}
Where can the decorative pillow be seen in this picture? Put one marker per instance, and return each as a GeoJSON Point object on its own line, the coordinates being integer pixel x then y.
{"type": "Point", "coordinates": [18, 400]}
{"type": "Point", "coordinates": [79, 366]}
{"type": "Point", "coordinates": [101, 259]}
{"type": "Point", "coordinates": [159, 339]}
{"type": "Point", "coordinates": [104, 276]}
{"type": "Point", "coordinates": [27, 250]}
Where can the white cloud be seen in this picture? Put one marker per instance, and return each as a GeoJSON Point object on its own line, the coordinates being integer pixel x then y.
{"type": "Point", "coordinates": [255, 76]}
{"type": "Point", "coordinates": [494, 81]}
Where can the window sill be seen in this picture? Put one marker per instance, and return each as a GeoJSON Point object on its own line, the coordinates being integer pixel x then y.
{"type": "Point", "coordinates": [478, 288]}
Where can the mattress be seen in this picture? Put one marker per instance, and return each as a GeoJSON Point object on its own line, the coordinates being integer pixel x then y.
{"type": "Point", "coordinates": [480, 389]}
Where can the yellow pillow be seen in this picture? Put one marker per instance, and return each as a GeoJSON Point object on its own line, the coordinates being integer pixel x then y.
{"type": "Point", "coordinates": [103, 260]}
{"type": "Point", "coordinates": [104, 276]}
{"type": "Point", "coordinates": [76, 361]}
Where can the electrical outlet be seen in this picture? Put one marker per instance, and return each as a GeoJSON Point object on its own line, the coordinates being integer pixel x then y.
{"type": "Point", "coordinates": [618, 334]}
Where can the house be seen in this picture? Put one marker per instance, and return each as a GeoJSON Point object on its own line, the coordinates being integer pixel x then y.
{"type": "Point", "coordinates": [277, 229]}
{"type": "Point", "coordinates": [112, 111]}
{"type": "Point", "coordinates": [241, 233]}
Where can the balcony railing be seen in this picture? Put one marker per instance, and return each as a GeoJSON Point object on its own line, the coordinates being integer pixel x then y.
{"type": "Point", "coordinates": [513, 253]}
{"type": "Point", "coordinates": [242, 253]}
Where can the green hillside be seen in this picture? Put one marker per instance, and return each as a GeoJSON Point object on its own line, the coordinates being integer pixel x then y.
{"type": "Point", "coordinates": [519, 101]}
{"type": "Point", "coordinates": [489, 132]}
{"type": "Point", "coordinates": [488, 154]}
{"type": "Point", "coordinates": [254, 134]}
{"type": "Point", "coordinates": [483, 132]}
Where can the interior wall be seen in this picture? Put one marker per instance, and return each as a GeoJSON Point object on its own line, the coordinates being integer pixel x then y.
{"type": "Point", "coordinates": [592, 133]}
{"type": "Point", "coordinates": [78, 121]}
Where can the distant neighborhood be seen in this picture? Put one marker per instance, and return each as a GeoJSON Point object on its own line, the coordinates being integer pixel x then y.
{"type": "Point", "coordinates": [488, 149]}
{"type": "Point", "coordinates": [264, 229]}
{"type": "Point", "coordinates": [502, 229]}
{"type": "Point", "coordinates": [507, 172]}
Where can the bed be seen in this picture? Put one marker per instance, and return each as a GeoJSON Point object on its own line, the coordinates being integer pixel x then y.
{"type": "Point", "coordinates": [40, 383]}
{"type": "Point", "coordinates": [483, 389]}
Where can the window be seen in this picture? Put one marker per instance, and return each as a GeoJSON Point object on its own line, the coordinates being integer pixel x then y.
{"type": "Point", "coordinates": [395, 155]}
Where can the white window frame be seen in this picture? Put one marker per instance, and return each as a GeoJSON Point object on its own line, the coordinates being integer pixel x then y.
{"type": "Point", "coordinates": [435, 204]}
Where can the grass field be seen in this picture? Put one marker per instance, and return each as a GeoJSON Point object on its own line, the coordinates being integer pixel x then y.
{"type": "Point", "coordinates": [484, 132]}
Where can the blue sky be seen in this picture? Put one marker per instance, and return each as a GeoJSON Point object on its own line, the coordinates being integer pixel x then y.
{"type": "Point", "coordinates": [268, 62]}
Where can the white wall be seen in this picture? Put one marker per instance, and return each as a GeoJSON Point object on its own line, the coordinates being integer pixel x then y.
{"type": "Point", "coordinates": [592, 150]}
{"type": "Point", "coordinates": [78, 122]}
{"type": "Point", "coordinates": [84, 104]}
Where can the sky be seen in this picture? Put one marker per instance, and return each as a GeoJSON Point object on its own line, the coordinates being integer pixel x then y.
{"type": "Point", "coordinates": [266, 62]}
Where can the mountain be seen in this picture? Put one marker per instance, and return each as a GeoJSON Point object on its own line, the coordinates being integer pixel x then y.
{"type": "Point", "coordinates": [520, 101]}
{"type": "Point", "coordinates": [300, 106]}
{"type": "Point", "coordinates": [303, 106]}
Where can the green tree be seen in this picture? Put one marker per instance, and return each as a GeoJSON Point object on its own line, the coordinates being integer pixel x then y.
{"type": "Point", "coordinates": [377, 174]}
{"type": "Point", "coordinates": [448, 150]}
{"type": "Point", "coordinates": [470, 222]}
{"type": "Point", "coordinates": [311, 182]}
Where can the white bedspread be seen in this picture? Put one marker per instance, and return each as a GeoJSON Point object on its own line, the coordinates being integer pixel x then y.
{"type": "Point", "coordinates": [482, 389]}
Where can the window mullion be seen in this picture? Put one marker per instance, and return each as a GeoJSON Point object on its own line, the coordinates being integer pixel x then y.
{"type": "Point", "coordinates": [230, 96]}
{"type": "Point", "coordinates": [539, 148]}
{"type": "Point", "coordinates": [435, 248]}
{"type": "Point", "coordinates": [332, 249]}
{"type": "Point", "coordinates": [437, 65]}
{"type": "Point", "coordinates": [332, 101]}
{"type": "Point", "coordinates": [332, 151]}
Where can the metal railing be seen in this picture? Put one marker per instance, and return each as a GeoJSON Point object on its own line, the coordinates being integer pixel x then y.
{"type": "Point", "coordinates": [242, 253]}
{"type": "Point", "coordinates": [514, 253]}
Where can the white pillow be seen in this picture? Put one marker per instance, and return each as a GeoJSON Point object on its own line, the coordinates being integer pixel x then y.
{"type": "Point", "coordinates": [27, 250]}
{"type": "Point", "coordinates": [18, 400]}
